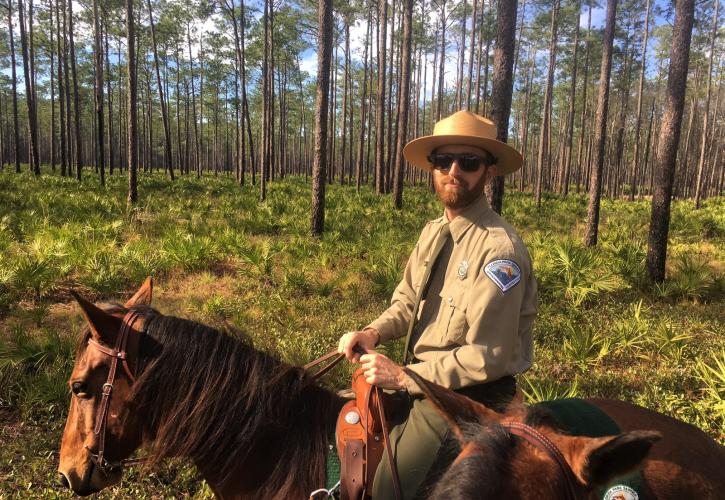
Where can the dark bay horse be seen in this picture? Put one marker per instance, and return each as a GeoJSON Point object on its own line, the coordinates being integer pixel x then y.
{"type": "Point", "coordinates": [258, 428]}
{"type": "Point", "coordinates": [675, 459]}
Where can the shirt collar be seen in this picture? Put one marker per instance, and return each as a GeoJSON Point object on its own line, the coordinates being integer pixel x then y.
{"type": "Point", "coordinates": [470, 215]}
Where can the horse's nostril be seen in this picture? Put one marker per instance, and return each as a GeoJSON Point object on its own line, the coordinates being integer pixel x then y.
{"type": "Point", "coordinates": [63, 481]}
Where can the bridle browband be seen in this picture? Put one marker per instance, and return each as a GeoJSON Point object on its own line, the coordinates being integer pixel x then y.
{"type": "Point", "coordinates": [118, 352]}
{"type": "Point", "coordinates": [540, 441]}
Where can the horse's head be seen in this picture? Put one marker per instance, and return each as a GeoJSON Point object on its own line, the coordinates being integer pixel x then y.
{"type": "Point", "coordinates": [100, 432]}
{"type": "Point", "coordinates": [544, 463]}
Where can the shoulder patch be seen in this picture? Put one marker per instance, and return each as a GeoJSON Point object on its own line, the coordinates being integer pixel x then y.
{"type": "Point", "coordinates": [504, 273]}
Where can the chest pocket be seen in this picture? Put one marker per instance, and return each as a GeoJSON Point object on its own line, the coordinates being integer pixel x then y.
{"type": "Point", "coordinates": [452, 320]}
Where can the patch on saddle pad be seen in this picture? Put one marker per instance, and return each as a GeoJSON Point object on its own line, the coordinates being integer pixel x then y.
{"type": "Point", "coordinates": [581, 418]}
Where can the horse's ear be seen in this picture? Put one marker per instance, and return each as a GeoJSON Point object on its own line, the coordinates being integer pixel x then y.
{"type": "Point", "coordinates": [455, 408]}
{"type": "Point", "coordinates": [103, 326]}
{"type": "Point", "coordinates": [596, 461]}
{"type": "Point", "coordinates": [143, 296]}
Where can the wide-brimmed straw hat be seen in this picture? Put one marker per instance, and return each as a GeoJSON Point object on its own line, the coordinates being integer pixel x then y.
{"type": "Point", "coordinates": [464, 128]}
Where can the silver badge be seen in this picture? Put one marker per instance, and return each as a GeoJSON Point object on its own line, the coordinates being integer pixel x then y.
{"type": "Point", "coordinates": [463, 270]}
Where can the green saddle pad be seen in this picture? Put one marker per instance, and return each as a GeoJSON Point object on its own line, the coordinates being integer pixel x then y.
{"type": "Point", "coordinates": [581, 418]}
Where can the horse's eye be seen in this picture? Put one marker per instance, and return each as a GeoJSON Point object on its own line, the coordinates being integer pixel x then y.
{"type": "Point", "coordinates": [78, 388]}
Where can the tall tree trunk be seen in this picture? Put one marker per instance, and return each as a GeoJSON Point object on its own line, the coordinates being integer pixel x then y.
{"type": "Point", "coordinates": [572, 107]}
{"type": "Point", "coordinates": [264, 165]}
{"type": "Point", "coordinates": [544, 143]}
{"type": "Point", "coordinates": [363, 107]}
{"type": "Point", "coordinates": [471, 52]}
{"type": "Point", "coordinates": [503, 65]}
{"type": "Point", "coordinates": [638, 122]}
{"type": "Point", "coordinates": [51, 53]}
{"type": "Point", "coordinates": [380, 103]}
{"type": "Point", "coordinates": [109, 98]}
{"type": "Point", "coordinates": [582, 168]}
{"type": "Point", "coordinates": [600, 131]}
{"type": "Point", "coordinates": [706, 113]}
{"type": "Point", "coordinates": [16, 123]}
{"type": "Point", "coordinates": [441, 61]}
{"type": "Point", "coordinates": [168, 160]}
{"type": "Point", "coordinates": [76, 95]}
{"type": "Point", "coordinates": [461, 57]}
{"type": "Point", "coordinates": [98, 58]}
{"type": "Point", "coordinates": [197, 152]}
{"type": "Point", "coordinates": [403, 104]}
{"type": "Point", "coordinates": [324, 54]}
{"type": "Point", "coordinates": [131, 156]}
{"type": "Point", "coordinates": [29, 95]}
{"type": "Point", "coordinates": [669, 139]}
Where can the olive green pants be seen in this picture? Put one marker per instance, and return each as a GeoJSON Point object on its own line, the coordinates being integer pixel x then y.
{"type": "Point", "coordinates": [421, 445]}
{"type": "Point", "coordinates": [415, 442]}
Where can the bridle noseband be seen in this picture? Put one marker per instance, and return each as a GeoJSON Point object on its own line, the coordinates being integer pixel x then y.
{"type": "Point", "coordinates": [119, 352]}
{"type": "Point", "coordinates": [540, 441]}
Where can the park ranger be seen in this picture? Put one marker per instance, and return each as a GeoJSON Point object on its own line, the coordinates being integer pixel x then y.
{"type": "Point", "coordinates": [465, 304]}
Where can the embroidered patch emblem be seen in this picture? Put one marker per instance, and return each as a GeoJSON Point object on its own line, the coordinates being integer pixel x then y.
{"type": "Point", "coordinates": [505, 273]}
{"type": "Point", "coordinates": [463, 270]}
{"type": "Point", "coordinates": [621, 492]}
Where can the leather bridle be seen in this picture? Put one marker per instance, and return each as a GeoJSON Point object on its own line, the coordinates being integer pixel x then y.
{"type": "Point", "coordinates": [540, 441]}
{"type": "Point", "coordinates": [118, 352]}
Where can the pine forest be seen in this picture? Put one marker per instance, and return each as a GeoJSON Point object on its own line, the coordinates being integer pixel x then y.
{"type": "Point", "coordinates": [247, 154]}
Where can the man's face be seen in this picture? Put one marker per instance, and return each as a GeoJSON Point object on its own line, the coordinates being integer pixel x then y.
{"type": "Point", "coordinates": [456, 188]}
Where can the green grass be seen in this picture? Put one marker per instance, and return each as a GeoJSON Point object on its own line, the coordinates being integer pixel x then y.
{"type": "Point", "coordinates": [220, 257]}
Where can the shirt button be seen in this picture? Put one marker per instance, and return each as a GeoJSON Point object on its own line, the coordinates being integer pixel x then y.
{"type": "Point", "coordinates": [450, 300]}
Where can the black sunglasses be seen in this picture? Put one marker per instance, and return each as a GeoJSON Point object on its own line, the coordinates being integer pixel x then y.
{"type": "Point", "coordinates": [467, 162]}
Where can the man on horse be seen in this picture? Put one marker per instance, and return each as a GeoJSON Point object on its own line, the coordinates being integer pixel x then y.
{"type": "Point", "coordinates": [466, 302]}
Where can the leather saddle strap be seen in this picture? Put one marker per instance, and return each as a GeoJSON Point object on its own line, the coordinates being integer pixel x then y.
{"type": "Point", "coordinates": [543, 443]}
{"type": "Point", "coordinates": [337, 357]}
{"type": "Point", "coordinates": [386, 438]}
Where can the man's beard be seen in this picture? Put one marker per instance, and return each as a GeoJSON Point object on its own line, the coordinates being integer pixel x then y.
{"type": "Point", "coordinates": [461, 198]}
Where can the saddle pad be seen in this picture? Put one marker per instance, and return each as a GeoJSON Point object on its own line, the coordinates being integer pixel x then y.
{"type": "Point", "coordinates": [582, 418]}
{"type": "Point", "coordinates": [332, 466]}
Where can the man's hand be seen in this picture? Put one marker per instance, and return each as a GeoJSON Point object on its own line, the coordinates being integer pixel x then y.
{"type": "Point", "coordinates": [380, 371]}
{"type": "Point", "coordinates": [365, 340]}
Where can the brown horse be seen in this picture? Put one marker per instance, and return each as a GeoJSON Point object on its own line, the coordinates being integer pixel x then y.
{"type": "Point", "coordinates": [258, 428]}
{"type": "Point", "coordinates": [677, 460]}
{"type": "Point", "coordinates": [253, 426]}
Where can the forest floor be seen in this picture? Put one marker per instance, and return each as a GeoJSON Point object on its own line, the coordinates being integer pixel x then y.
{"type": "Point", "coordinates": [221, 258]}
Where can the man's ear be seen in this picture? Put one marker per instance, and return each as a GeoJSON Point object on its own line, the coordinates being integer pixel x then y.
{"type": "Point", "coordinates": [143, 295]}
{"type": "Point", "coordinates": [103, 326]}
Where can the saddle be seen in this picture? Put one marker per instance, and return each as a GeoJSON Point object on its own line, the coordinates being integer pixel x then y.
{"type": "Point", "coordinates": [362, 436]}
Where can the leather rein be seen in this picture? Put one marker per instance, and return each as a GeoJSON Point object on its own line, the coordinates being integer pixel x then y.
{"type": "Point", "coordinates": [117, 353]}
{"type": "Point", "coordinates": [373, 392]}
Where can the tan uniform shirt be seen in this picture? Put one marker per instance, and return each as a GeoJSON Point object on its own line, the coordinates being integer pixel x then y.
{"type": "Point", "coordinates": [482, 331]}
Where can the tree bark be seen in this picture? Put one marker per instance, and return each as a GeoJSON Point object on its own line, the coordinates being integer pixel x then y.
{"type": "Point", "coordinates": [168, 160]}
{"type": "Point", "coordinates": [16, 123]}
{"type": "Point", "coordinates": [380, 102]}
{"type": "Point", "coordinates": [76, 95]}
{"type": "Point", "coordinates": [324, 54]}
{"type": "Point", "coordinates": [544, 143]}
{"type": "Point", "coordinates": [503, 65]}
{"type": "Point", "coordinates": [638, 123]}
{"type": "Point", "coordinates": [29, 94]}
{"type": "Point", "coordinates": [669, 139]}
{"type": "Point", "coordinates": [132, 142]}
{"type": "Point", "coordinates": [706, 111]}
{"type": "Point", "coordinates": [600, 124]}
{"type": "Point", "coordinates": [403, 104]}
{"type": "Point", "coordinates": [98, 59]}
